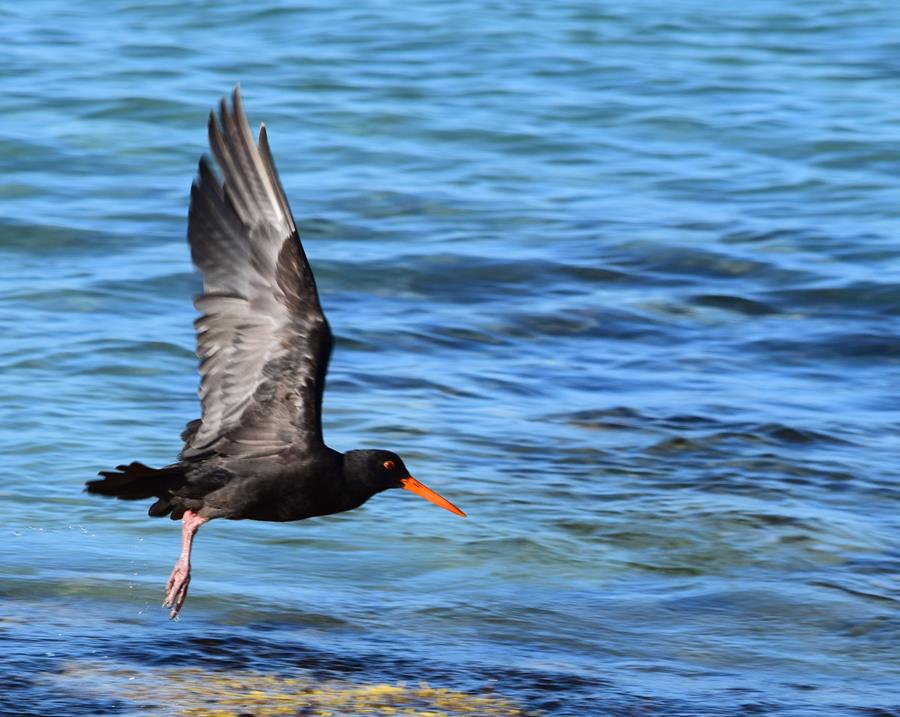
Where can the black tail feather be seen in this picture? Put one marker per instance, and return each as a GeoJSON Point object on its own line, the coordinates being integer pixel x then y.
{"type": "Point", "coordinates": [137, 482]}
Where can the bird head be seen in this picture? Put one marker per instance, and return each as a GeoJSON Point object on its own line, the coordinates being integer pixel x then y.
{"type": "Point", "coordinates": [380, 470]}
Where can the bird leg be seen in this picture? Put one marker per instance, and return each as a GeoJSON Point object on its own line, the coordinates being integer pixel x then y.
{"type": "Point", "coordinates": [176, 589]}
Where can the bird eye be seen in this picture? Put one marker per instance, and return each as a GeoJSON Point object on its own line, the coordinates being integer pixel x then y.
{"type": "Point", "coordinates": [389, 465]}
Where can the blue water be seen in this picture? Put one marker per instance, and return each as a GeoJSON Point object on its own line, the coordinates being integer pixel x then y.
{"type": "Point", "coordinates": [623, 282]}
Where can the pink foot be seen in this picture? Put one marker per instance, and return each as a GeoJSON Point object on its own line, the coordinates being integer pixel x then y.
{"type": "Point", "coordinates": [177, 587]}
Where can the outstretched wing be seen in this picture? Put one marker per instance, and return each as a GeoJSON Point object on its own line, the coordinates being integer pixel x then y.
{"type": "Point", "coordinates": [262, 338]}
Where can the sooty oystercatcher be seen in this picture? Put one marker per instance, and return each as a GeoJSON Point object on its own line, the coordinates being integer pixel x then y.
{"type": "Point", "coordinates": [257, 452]}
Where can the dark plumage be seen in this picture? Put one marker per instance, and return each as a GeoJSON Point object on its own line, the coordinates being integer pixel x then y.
{"type": "Point", "coordinates": [257, 452]}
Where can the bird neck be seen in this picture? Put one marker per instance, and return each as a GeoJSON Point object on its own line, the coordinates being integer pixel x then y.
{"type": "Point", "coordinates": [355, 489]}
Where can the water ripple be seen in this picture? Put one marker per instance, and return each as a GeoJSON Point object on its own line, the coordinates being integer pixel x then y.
{"type": "Point", "coordinates": [621, 281]}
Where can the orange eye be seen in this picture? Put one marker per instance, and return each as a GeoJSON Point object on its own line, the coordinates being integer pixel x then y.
{"type": "Point", "coordinates": [389, 465]}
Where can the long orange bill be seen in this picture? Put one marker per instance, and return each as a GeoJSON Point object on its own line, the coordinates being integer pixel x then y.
{"type": "Point", "coordinates": [428, 494]}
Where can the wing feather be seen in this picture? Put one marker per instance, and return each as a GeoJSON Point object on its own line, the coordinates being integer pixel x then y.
{"type": "Point", "coordinates": [262, 338]}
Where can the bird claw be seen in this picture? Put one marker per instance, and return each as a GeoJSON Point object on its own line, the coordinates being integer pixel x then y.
{"type": "Point", "coordinates": [176, 588]}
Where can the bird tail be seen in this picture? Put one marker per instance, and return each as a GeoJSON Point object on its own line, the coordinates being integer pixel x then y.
{"type": "Point", "coordinates": [137, 481]}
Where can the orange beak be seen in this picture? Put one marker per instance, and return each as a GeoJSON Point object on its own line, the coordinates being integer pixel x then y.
{"type": "Point", "coordinates": [412, 484]}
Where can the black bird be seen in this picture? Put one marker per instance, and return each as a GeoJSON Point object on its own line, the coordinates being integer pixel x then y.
{"type": "Point", "coordinates": [257, 452]}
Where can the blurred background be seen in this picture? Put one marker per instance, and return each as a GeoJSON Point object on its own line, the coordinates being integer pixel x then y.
{"type": "Point", "coordinates": [622, 282]}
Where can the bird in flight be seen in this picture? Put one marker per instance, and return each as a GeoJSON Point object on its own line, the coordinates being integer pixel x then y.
{"type": "Point", "coordinates": [257, 452]}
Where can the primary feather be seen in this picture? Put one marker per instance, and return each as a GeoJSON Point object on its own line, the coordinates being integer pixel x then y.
{"type": "Point", "coordinates": [262, 338]}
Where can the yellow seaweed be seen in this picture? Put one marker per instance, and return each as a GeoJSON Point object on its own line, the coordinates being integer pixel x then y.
{"type": "Point", "coordinates": [194, 692]}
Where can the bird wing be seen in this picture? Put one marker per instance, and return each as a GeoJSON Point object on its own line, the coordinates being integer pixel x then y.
{"type": "Point", "coordinates": [262, 337]}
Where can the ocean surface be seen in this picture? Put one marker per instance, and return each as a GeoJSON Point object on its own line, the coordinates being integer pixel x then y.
{"type": "Point", "coordinates": [621, 280]}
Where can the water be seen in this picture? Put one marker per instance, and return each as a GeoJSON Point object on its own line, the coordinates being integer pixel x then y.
{"type": "Point", "coordinates": [623, 282]}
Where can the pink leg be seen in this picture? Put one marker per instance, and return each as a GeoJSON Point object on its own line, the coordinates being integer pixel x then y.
{"type": "Point", "coordinates": [176, 589]}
